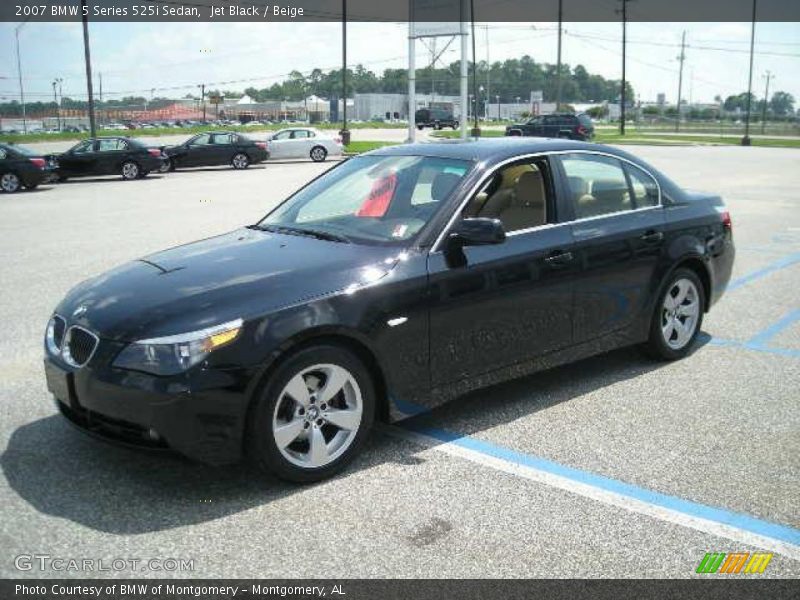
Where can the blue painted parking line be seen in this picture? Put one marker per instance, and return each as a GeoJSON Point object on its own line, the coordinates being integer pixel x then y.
{"type": "Point", "coordinates": [761, 338]}
{"type": "Point", "coordinates": [777, 265]}
{"type": "Point", "coordinates": [758, 343]}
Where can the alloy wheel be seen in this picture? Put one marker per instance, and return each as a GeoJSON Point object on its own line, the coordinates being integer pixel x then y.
{"type": "Point", "coordinates": [9, 182]}
{"type": "Point", "coordinates": [130, 170]}
{"type": "Point", "coordinates": [165, 166]}
{"type": "Point", "coordinates": [679, 313]}
{"type": "Point", "coordinates": [317, 416]}
{"type": "Point", "coordinates": [240, 161]}
{"type": "Point", "coordinates": [318, 154]}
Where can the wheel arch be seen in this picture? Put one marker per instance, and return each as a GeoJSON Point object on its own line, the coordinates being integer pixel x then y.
{"type": "Point", "coordinates": [697, 264]}
{"type": "Point", "coordinates": [337, 336]}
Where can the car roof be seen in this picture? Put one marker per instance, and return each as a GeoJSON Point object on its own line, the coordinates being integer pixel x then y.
{"type": "Point", "coordinates": [493, 150]}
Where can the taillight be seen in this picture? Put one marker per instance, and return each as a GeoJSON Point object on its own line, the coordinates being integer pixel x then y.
{"type": "Point", "coordinates": [262, 145]}
{"type": "Point", "coordinates": [338, 140]}
{"type": "Point", "coordinates": [154, 151]}
{"type": "Point", "coordinates": [39, 162]}
{"type": "Point", "coordinates": [727, 223]}
{"type": "Point", "coordinates": [582, 130]}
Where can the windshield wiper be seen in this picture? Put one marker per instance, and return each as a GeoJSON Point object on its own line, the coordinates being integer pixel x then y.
{"type": "Point", "coordinates": [316, 233]}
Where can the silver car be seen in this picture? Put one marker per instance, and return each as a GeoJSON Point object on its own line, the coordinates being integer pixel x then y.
{"type": "Point", "coordinates": [302, 142]}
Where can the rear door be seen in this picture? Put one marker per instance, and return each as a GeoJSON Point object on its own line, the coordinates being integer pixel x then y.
{"type": "Point", "coordinates": [618, 230]}
{"type": "Point", "coordinates": [223, 147]}
{"type": "Point", "coordinates": [507, 303]}
{"type": "Point", "coordinates": [110, 153]}
{"type": "Point", "coordinates": [300, 143]}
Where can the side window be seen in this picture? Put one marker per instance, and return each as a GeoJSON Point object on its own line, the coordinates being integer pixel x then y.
{"type": "Point", "coordinates": [83, 147]}
{"type": "Point", "coordinates": [283, 135]}
{"type": "Point", "coordinates": [201, 140]}
{"type": "Point", "coordinates": [517, 195]}
{"type": "Point", "coordinates": [299, 134]}
{"type": "Point", "coordinates": [644, 187]}
{"type": "Point", "coordinates": [109, 145]}
{"type": "Point", "coordinates": [222, 138]}
{"type": "Point", "coordinates": [597, 185]}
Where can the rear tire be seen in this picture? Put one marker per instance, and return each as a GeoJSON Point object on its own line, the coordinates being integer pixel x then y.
{"type": "Point", "coordinates": [303, 431]}
{"type": "Point", "coordinates": [10, 183]}
{"type": "Point", "coordinates": [677, 318]}
{"type": "Point", "coordinates": [240, 161]}
{"type": "Point", "coordinates": [130, 170]}
{"type": "Point", "coordinates": [318, 154]}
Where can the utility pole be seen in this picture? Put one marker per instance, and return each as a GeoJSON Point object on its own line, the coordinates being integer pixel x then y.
{"type": "Point", "coordinates": [202, 87]}
{"type": "Point", "coordinates": [476, 131]}
{"type": "Point", "coordinates": [100, 96]}
{"type": "Point", "coordinates": [746, 138]}
{"type": "Point", "coordinates": [769, 75]}
{"type": "Point", "coordinates": [488, 70]}
{"type": "Point", "coordinates": [681, 58]}
{"type": "Point", "coordinates": [88, 58]}
{"type": "Point", "coordinates": [624, 48]}
{"type": "Point", "coordinates": [19, 71]}
{"type": "Point", "coordinates": [55, 101]}
{"type": "Point", "coordinates": [344, 132]}
{"type": "Point", "coordinates": [558, 62]}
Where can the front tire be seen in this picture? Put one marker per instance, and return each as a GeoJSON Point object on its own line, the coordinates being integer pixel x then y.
{"type": "Point", "coordinates": [166, 166]}
{"type": "Point", "coordinates": [10, 183]}
{"type": "Point", "coordinates": [130, 170]}
{"type": "Point", "coordinates": [240, 161]}
{"type": "Point", "coordinates": [314, 414]}
{"type": "Point", "coordinates": [318, 154]}
{"type": "Point", "coordinates": [678, 317]}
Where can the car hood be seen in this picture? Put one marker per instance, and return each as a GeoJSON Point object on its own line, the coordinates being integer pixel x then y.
{"type": "Point", "coordinates": [246, 273]}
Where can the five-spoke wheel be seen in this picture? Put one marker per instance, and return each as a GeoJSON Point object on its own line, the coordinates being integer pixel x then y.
{"type": "Point", "coordinates": [678, 316]}
{"type": "Point", "coordinates": [314, 413]}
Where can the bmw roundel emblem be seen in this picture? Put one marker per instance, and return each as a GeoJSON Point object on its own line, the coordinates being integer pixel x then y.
{"type": "Point", "coordinates": [80, 311]}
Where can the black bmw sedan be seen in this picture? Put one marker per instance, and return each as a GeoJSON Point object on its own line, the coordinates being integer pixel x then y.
{"type": "Point", "coordinates": [21, 166]}
{"type": "Point", "coordinates": [123, 156]}
{"type": "Point", "coordinates": [215, 149]}
{"type": "Point", "coordinates": [402, 277]}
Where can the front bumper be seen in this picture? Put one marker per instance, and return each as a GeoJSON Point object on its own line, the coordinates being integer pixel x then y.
{"type": "Point", "coordinates": [199, 414]}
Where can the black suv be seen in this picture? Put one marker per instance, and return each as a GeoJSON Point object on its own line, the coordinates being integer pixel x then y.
{"type": "Point", "coordinates": [568, 126]}
{"type": "Point", "coordinates": [435, 117]}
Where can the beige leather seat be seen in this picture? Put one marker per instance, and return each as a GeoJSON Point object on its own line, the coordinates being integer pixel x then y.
{"type": "Point", "coordinates": [527, 206]}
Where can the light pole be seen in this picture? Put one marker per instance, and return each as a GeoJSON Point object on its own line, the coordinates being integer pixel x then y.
{"type": "Point", "coordinates": [769, 75]}
{"type": "Point", "coordinates": [746, 138]}
{"type": "Point", "coordinates": [497, 97]}
{"type": "Point", "coordinates": [19, 71]}
{"type": "Point", "coordinates": [345, 134]}
{"type": "Point", "coordinates": [55, 101]}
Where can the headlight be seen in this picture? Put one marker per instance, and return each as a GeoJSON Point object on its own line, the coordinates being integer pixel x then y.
{"type": "Point", "coordinates": [173, 354]}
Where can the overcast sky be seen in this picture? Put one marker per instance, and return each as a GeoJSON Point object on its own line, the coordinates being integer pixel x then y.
{"type": "Point", "coordinates": [136, 57]}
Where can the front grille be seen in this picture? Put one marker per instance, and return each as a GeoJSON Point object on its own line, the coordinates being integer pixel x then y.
{"type": "Point", "coordinates": [79, 345]}
{"type": "Point", "coordinates": [59, 327]}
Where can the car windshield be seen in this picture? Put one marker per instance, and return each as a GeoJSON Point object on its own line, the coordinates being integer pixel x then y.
{"type": "Point", "coordinates": [382, 200]}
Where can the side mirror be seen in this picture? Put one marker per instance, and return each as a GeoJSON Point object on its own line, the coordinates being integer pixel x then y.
{"type": "Point", "coordinates": [477, 231]}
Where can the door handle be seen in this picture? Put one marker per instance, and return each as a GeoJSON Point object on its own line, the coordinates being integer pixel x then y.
{"type": "Point", "coordinates": [559, 258]}
{"type": "Point", "coordinates": [652, 237]}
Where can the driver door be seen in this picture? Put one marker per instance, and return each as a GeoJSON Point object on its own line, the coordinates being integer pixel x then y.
{"type": "Point", "coordinates": [507, 303]}
{"type": "Point", "coordinates": [78, 160]}
{"type": "Point", "coordinates": [199, 151]}
{"type": "Point", "coordinates": [280, 144]}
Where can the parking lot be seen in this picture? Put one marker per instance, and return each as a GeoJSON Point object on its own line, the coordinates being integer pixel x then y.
{"type": "Point", "coordinates": [612, 467]}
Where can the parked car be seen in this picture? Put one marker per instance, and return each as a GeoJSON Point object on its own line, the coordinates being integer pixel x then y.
{"type": "Point", "coordinates": [400, 278]}
{"type": "Point", "coordinates": [215, 148]}
{"type": "Point", "coordinates": [565, 126]}
{"type": "Point", "coordinates": [435, 117]}
{"type": "Point", "coordinates": [301, 142]}
{"type": "Point", "coordinates": [21, 166]}
{"type": "Point", "coordinates": [108, 156]}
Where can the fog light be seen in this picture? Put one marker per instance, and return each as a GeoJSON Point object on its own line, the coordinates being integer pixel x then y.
{"type": "Point", "coordinates": [153, 434]}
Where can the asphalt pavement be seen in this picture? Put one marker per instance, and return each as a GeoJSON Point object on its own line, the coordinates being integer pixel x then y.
{"type": "Point", "coordinates": [612, 467]}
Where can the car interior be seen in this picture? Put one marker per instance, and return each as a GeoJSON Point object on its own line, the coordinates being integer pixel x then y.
{"type": "Point", "coordinates": [517, 195]}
